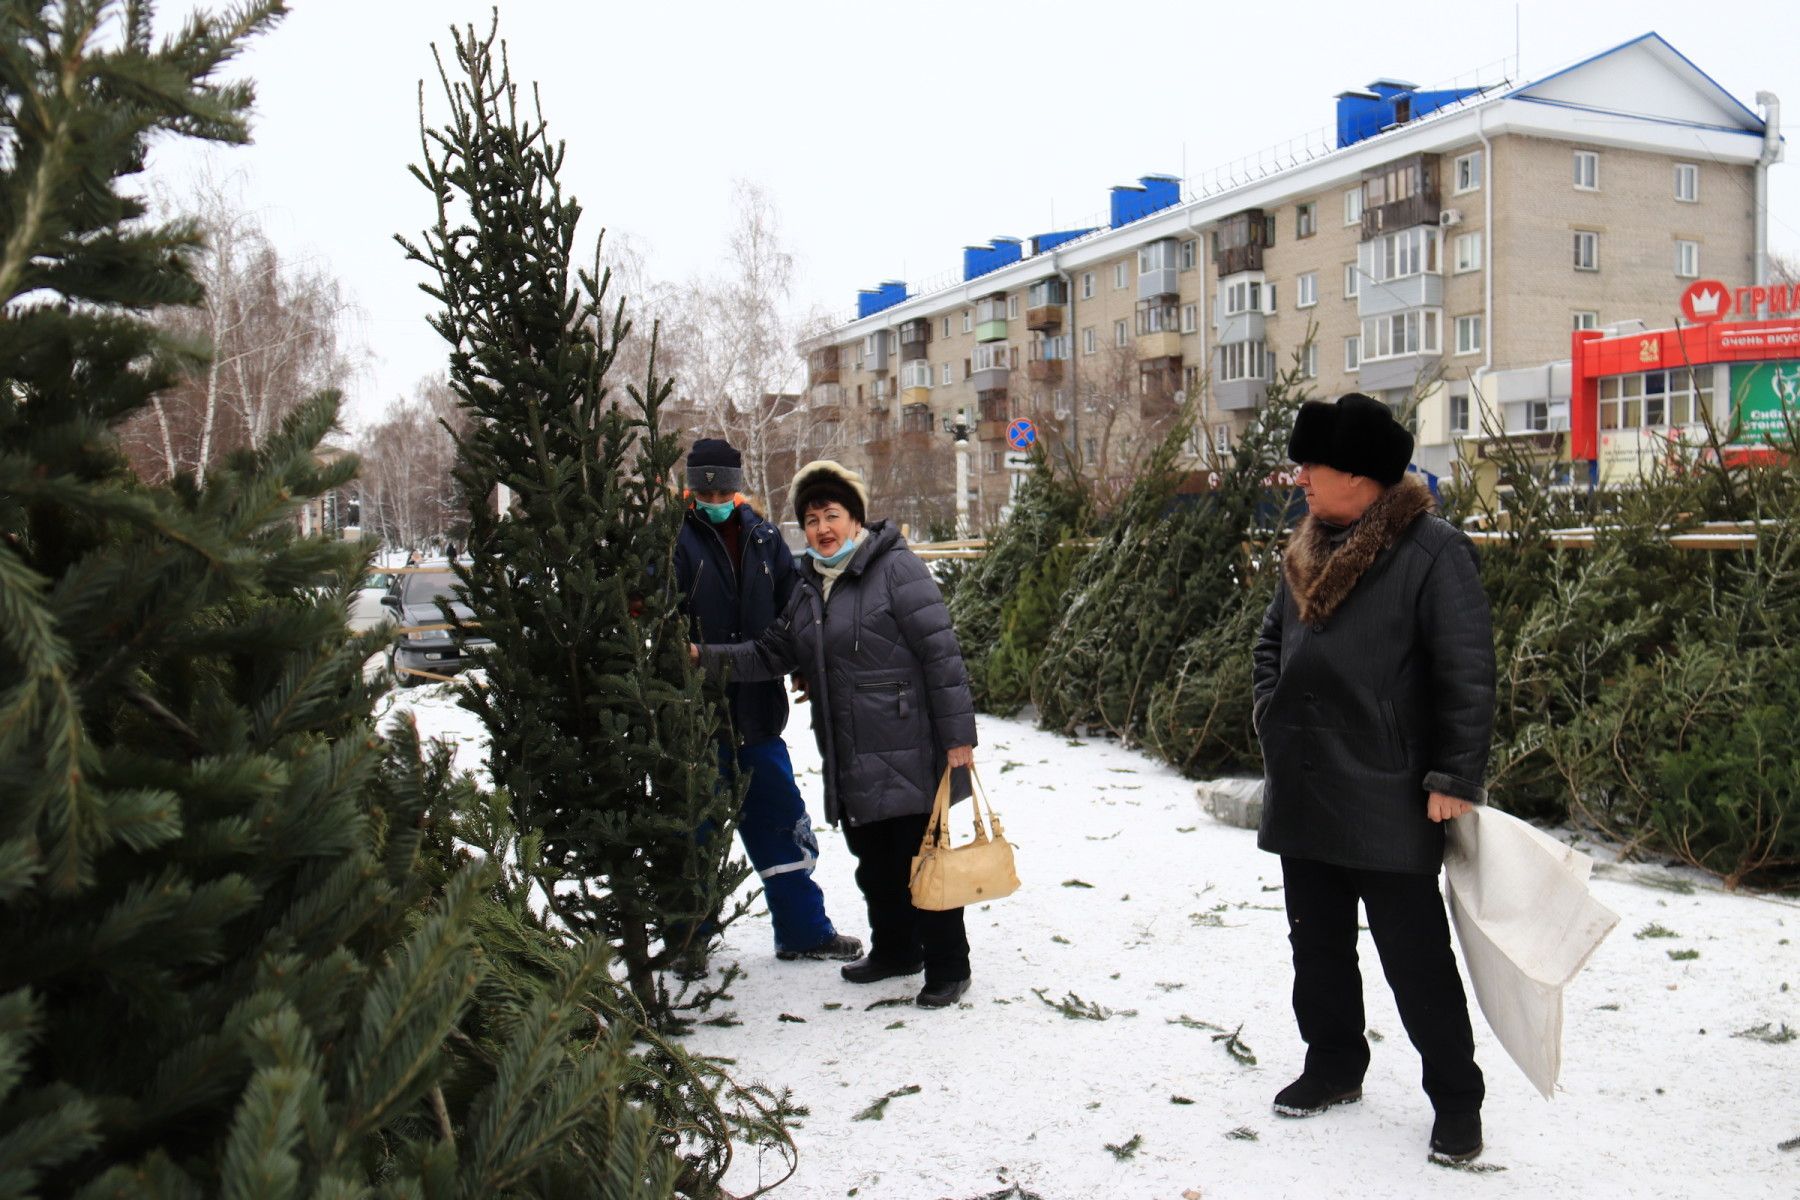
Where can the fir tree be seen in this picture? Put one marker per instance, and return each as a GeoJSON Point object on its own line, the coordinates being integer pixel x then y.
{"type": "Point", "coordinates": [240, 958]}
{"type": "Point", "coordinates": [600, 731]}
{"type": "Point", "coordinates": [1166, 570]}
{"type": "Point", "coordinates": [1049, 507]}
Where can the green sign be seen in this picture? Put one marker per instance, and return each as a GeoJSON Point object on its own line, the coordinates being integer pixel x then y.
{"type": "Point", "coordinates": [1764, 396]}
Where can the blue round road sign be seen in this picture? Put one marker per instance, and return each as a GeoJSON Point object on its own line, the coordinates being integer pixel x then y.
{"type": "Point", "coordinates": [1020, 434]}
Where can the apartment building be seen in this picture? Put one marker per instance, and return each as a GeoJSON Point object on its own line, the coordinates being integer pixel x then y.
{"type": "Point", "coordinates": [1441, 242]}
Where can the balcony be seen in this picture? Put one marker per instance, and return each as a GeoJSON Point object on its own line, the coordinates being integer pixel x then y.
{"type": "Point", "coordinates": [990, 319]}
{"type": "Point", "coordinates": [1163, 344]}
{"type": "Point", "coordinates": [988, 368]}
{"type": "Point", "coordinates": [1157, 266]}
{"type": "Point", "coordinates": [1159, 379]}
{"type": "Point", "coordinates": [994, 407]}
{"type": "Point", "coordinates": [875, 352]}
{"type": "Point", "coordinates": [825, 402]}
{"type": "Point", "coordinates": [822, 365]}
{"type": "Point", "coordinates": [1400, 195]}
{"type": "Point", "coordinates": [1044, 305]}
{"type": "Point", "coordinates": [1044, 370]}
{"type": "Point", "coordinates": [915, 336]}
{"type": "Point", "coordinates": [1238, 242]}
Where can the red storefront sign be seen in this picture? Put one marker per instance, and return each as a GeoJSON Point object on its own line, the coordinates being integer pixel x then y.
{"type": "Point", "coordinates": [1594, 355]}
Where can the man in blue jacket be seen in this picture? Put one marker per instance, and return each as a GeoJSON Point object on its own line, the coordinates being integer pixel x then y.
{"type": "Point", "coordinates": [736, 573]}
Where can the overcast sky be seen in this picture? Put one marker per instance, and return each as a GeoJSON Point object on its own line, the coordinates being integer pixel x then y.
{"type": "Point", "coordinates": [888, 135]}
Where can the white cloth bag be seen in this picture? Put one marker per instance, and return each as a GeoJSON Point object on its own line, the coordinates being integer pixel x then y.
{"type": "Point", "coordinates": [1519, 900]}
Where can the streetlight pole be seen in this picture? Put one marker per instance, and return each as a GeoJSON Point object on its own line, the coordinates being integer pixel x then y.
{"type": "Point", "coordinates": [960, 428]}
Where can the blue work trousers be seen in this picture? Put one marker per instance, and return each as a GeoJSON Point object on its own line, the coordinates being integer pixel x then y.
{"type": "Point", "coordinates": [778, 839]}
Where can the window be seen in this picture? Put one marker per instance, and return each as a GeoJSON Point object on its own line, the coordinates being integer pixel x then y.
{"type": "Point", "coordinates": [1587, 171]}
{"type": "Point", "coordinates": [1352, 353]}
{"type": "Point", "coordinates": [1190, 251]}
{"type": "Point", "coordinates": [1687, 259]}
{"type": "Point", "coordinates": [1353, 206]}
{"type": "Point", "coordinates": [1190, 318]}
{"type": "Point", "coordinates": [1687, 183]}
{"type": "Point", "coordinates": [1059, 403]}
{"type": "Point", "coordinates": [968, 320]}
{"type": "Point", "coordinates": [1655, 399]}
{"type": "Point", "coordinates": [1243, 360]}
{"type": "Point", "coordinates": [1089, 342]}
{"type": "Point", "coordinates": [968, 368]}
{"type": "Point", "coordinates": [1537, 416]}
{"type": "Point", "coordinates": [1087, 285]}
{"type": "Point", "coordinates": [1468, 172]}
{"type": "Point", "coordinates": [1309, 361]}
{"type": "Point", "coordinates": [1399, 255]}
{"type": "Point", "coordinates": [1306, 290]}
{"type": "Point", "coordinates": [945, 378]}
{"type": "Point", "coordinates": [1269, 296]}
{"type": "Point", "coordinates": [1090, 449]}
{"type": "Point", "coordinates": [946, 326]}
{"type": "Point", "coordinates": [1396, 335]}
{"type": "Point", "coordinates": [1352, 280]}
{"type": "Point", "coordinates": [1587, 319]}
{"type": "Point", "coordinates": [915, 374]}
{"type": "Point", "coordinates": [1459, 414]}
{"type": "Point", "coordinates": [1241, 297]}
{"type": "Point", "coordinates": [1587, 250]}
{"type": "Point", "coordinates": [990, 356]}
{"type": "Point", "coordinates": [1118, 275]}
{"type": "Point", "coordinates": [1306, 219]}
{"type": "Point", "coordinates": [1012, 308]}
{"type": "Point", "coordinates": [915, 418]}
{"type": "Point", "coordinates": [1467, 252]}
{"type": "Point", "coordinates": [1121, 333]}
{"type": "Point", "coordinates": [1157, 316]}
{"type": "Point", "coordinates": [1468, 335]}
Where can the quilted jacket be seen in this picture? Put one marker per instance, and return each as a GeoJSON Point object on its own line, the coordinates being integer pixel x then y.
{"type": "Point", "coordinates": [890, 694]}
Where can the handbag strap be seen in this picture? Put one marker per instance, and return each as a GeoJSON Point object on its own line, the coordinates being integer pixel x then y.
{"type": "Point", "coordinates": [937, 830]}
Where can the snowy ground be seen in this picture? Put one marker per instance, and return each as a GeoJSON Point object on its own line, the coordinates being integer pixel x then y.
{"type": "Point", "coordinates": [1170, 923]}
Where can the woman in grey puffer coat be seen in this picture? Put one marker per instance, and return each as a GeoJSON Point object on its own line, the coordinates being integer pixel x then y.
{"type": "Point", "coordinates": [867, 628]}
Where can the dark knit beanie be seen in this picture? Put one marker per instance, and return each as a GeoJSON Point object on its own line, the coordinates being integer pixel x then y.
{"type": "Point", "coordinates": [827, 482]}
{"type": "Point", "coordinates": [713, 466]}
{"type": "Point", "coordinates": [1357, 434]}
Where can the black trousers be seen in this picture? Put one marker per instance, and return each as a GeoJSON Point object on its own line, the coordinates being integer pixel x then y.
{"type": "Point", "coordinates": [898, 932]}
{"type": "Point", "coordinates": [1412, 936]}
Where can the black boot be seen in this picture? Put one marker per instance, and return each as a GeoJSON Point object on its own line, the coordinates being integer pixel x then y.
{"type": "Point", "coordinates": [839, 946]}
{"type": "Point", "coordinates": [1308, 1096]}
{"type": "Point", "coordinates": [1456, 1136]}
{"type": "Point", "coordinates": [942, 995]}
{"type": "Point", "coordinates": [870, 969]}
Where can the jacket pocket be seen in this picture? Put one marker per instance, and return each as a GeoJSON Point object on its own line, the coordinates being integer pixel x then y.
{"type": "Point", "coordinates": [888, 713]}
{"type": "Point", "coordinates": [1391, 736]}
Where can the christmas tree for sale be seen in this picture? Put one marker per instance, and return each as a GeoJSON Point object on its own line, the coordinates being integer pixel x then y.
{"type": "Point", "coordinates": [239, 955]}
{"type": "Point", "coordinates": [599, 729]}
{"type": "Point", "coordinates": [1050, 508]}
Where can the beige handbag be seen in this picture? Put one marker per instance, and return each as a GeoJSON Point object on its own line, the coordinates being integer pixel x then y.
{"type": "Point", "coordinates": [946, 876]}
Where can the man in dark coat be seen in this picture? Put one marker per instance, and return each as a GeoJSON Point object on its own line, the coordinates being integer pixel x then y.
{"type": "Point", "coordinates": [1374, 702]}
{"type": "Point", "coordinates": [868, 628]}
{"type": "Point", "coordinates": [737, 574]}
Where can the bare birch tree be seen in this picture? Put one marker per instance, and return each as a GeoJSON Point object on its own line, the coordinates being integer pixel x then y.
{"type": "Point", "coordinates": [269, 335]}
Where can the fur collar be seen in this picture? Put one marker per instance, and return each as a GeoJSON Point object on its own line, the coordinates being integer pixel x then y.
{"type": "Point", "coordinates": [1320, 575]}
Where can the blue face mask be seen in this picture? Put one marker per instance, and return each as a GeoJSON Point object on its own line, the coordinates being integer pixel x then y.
{"type": "Point", "coordinates": [718, 514]}
{"type": "Point", "coordinates": [840, 556]}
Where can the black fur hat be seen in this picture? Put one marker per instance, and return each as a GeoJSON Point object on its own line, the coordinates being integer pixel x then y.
{"type": "Point", "coordinates": [1357, 434]}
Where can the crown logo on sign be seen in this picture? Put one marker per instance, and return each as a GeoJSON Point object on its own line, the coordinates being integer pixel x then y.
{"type": "Point", "coordinates": [1706, 302]}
